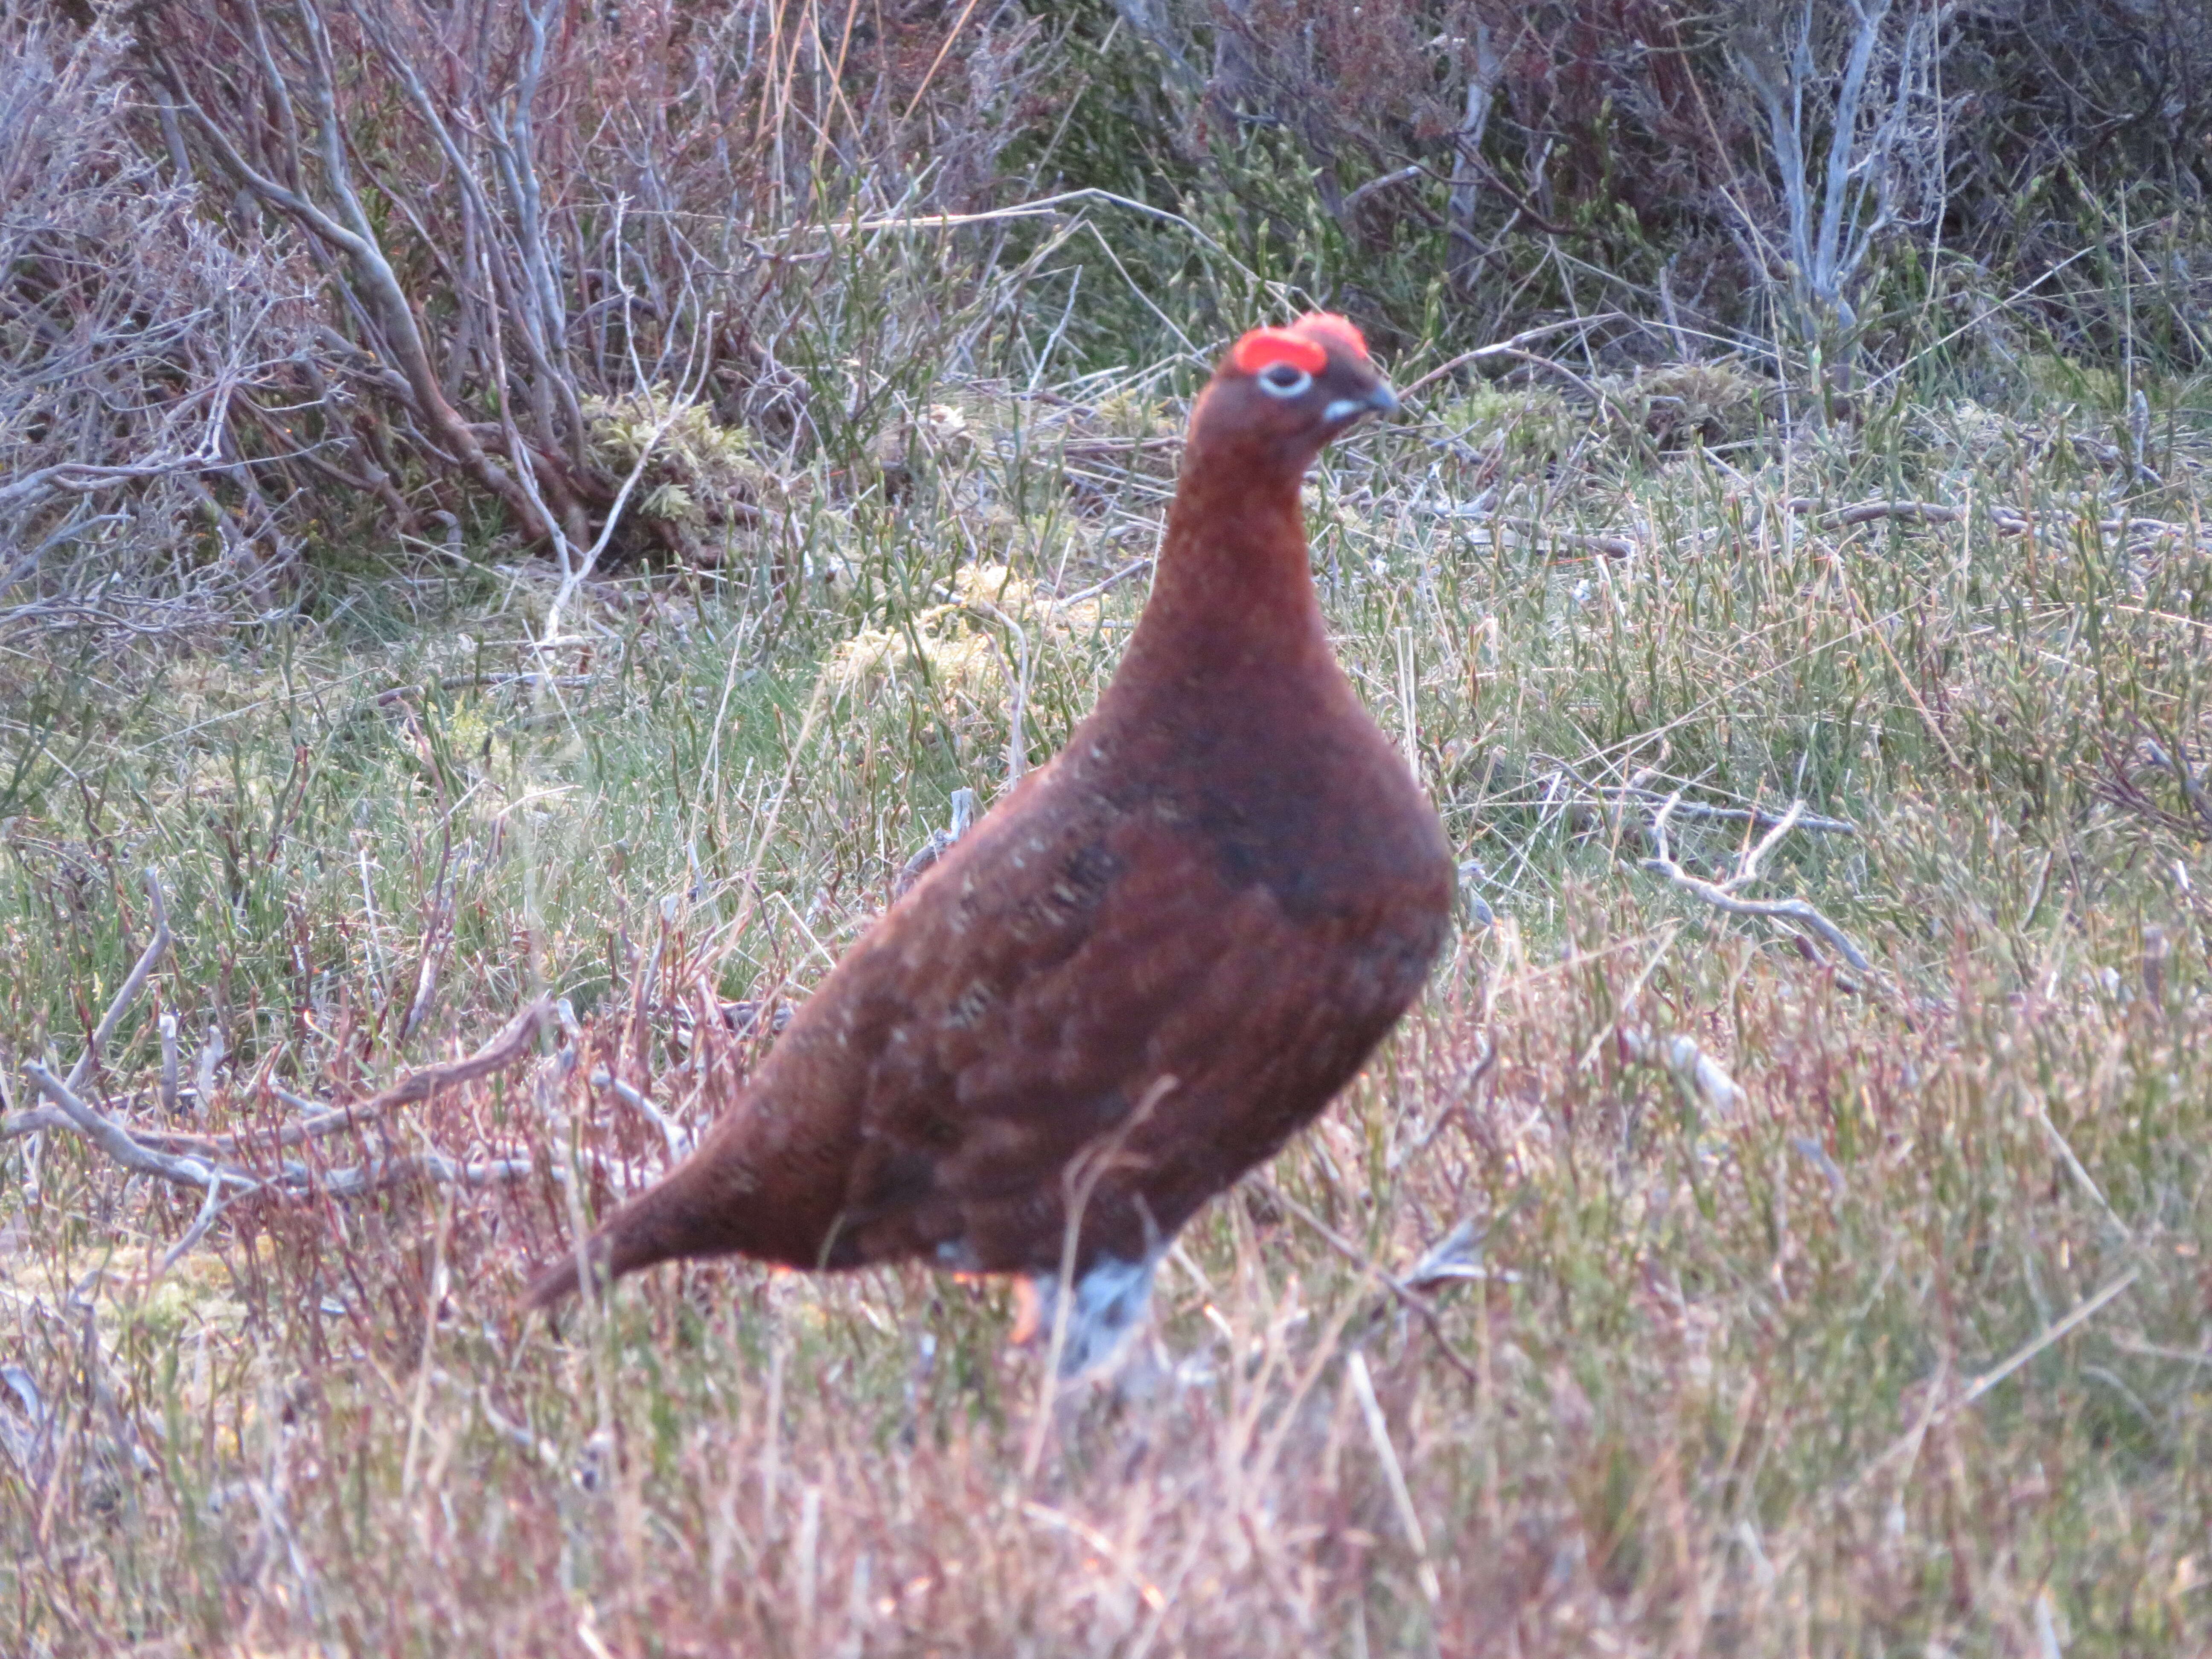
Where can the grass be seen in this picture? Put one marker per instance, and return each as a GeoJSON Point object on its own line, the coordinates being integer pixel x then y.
{"type": "Point", "coordinates": [1811, 1310]}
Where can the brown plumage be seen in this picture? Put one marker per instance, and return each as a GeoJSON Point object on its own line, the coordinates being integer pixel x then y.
{"type": "Point", "coordinates": [1157, 960]}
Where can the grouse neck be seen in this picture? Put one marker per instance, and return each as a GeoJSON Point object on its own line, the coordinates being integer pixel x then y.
{"type": "Point", "coordinates": [1234, 580]}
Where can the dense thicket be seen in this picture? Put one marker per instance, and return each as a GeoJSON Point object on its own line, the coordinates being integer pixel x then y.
{"type": "Point", "coordinates": [281, 279]}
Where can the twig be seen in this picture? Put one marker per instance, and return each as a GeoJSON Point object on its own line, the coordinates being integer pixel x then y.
{"type": "Point", "coordinates": [631, 1096]}
{"type": "Point", "coordinates": [940, 842]}
{"type": "Point", "coordinates": [210, 1213]}
{"type": "Point", "coordinates": [1541, 537]}
{"type": "Point", "coordinates": [356, 1181]}
{"type": "Point", "coordinates": [426, 1166]}
{"type": "Point", "coordinates": [1380, 182]}
{"type": "Point", "coordinates": [1721, 898]}
{"type": "Point", "coordinates": [210, 1057]}
{"type": "Point", "coordinates": [937, 62]}
{"type": "Point", "coordinates": [1018, 759]}
{"type": "Point", "coordinates": [1097, 588]}
{"type": "Point", "coordinates": [2127, 1343]}
{"type": "Point", "coordinates": [1378, 1431]}
{"type": "Point", "coordinates": [496, 1055]}
{"type": "Point", "coordinates": [1614, 547]}
{"type": "Point", "coordinates": [132, 984]}
{"type": "Point", "coordinates": [168, 1028]}
{"type": "Point", "coordinates": [2082, 1176]}
{"type": "Point", "coordinates": [1869, 512]}
{"type": "Point", "coordinates": [1788, 910]}
{"type": "Point", "coordinates": [499, 1052]}
{"type": "Point", "coordinates": [1507, 347]}
{"type": "Point", "coordinates": [1359, 1258]}
{"type": "Point", "coordinates": [2082, 1312]}
{"type": "Point", "coordinates": [1757, 817]}
{"type": "Point", "coordinates": [2006, 520]}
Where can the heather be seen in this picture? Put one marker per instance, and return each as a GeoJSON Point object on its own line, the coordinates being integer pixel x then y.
{"type": "Point", "coordinates": [523, 520]}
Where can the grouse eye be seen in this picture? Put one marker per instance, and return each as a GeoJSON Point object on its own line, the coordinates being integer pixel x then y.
{"type": "Point", "coordinates": [1284, 380]}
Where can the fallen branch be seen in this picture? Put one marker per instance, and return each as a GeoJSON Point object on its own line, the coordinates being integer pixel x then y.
{"type": "Point", "coordinates": [1614, 547]}
{"type": "Point", "coordinates": [1758, 817]}
{"type": "Point", "coordinates": [2006, 520]}
{"type": "Point", "coordinates": [1785, 909]}
{"type": "Point", "coordinates": [1381, 182]}
{"type": "Point", "coordinates": [1543, 538]}
{"type": "Point", "coordinates": [426, 1166]}
{"type": "Point", "coordinates": [497, 1054]}
{"type": "Point", "coordinates": [118, 1143]}
{"type": "Point", "coordinates": [1721, 895]}
{"type": "Point", "coordinates": [187, 1160]}
{"type": "Point", "coordinates": [1871, 512]}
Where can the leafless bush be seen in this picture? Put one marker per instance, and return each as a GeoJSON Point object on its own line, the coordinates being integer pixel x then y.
{"type": "Point", "coordinates": [1737, 169]}
{"type": "Point", "coordinates": [347, 269]}
{"type": "Point", "coordinates": [1856, 144]}
{"type": "Point", "coordinates": [2114, 87]}
{"type": "Point", "coordinates": [519, 205]}
{"type": "Point", "coordinates": [130, 331]}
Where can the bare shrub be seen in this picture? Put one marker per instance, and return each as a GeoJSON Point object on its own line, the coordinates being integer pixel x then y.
{"type": "Point", "coordinates": [1749, 171]}
{"type": "Point", "coordinates": [1856, 134]}
{"type": "Point", "coordinates": [2113, 88]}
{"type": "Point", "coordinates": [132, 331]}
{"type": "Point", "coordinates": [478, 225]}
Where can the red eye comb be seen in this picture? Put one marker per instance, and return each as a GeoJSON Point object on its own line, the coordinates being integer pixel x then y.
{"type": "Point", "coordinates": [1263, 347]}
{"type": "Point", "coordinates": [1339, 328]}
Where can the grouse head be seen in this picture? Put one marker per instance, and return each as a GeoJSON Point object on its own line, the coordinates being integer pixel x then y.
{"type": "Point", "coordinates": [1282, 393]}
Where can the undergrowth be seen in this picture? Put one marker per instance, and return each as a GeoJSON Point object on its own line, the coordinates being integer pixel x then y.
{"type": "Point", "coordinates": [1670, 1284]}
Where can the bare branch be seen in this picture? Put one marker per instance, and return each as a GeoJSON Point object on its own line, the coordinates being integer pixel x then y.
{"type": "Point", "coordinates": [425, 1166]}
{"type": "Point", "coordinates": [1017, 755]}
{"type": "Point", "coordinates": [119, 1144]}
{"type": "Point", "coordinates": [512, 1043]}
{"type": "Point", "coordinates": [1758, 817]}
{"type": "Point", "coordinates": [1381, 182]}
{"type": "Point", "coordinates": [677, 1141]}
{"type": "Point", "coordinates": [135, 981]}
{"type": "Point", "coordinates": [1420, 1306]}
{"type": "Point", "coordinates": [184, 1169]}
{"type": "Point", "coordinates": [1720, 897]}
{"type": "Point", "coordinates": [515, 1040]}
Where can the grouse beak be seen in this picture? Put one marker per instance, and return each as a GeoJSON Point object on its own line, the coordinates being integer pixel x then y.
{"type": "Point", "coordinates": [1344, 411]}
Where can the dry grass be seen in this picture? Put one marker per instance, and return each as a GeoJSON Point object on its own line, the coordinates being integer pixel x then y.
{"type": "Point", "coordinates": [1801, 1310]}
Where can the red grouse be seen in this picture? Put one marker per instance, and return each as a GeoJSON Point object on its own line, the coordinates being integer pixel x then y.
{"type": "Point", "coordinates": [1136, 978]}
